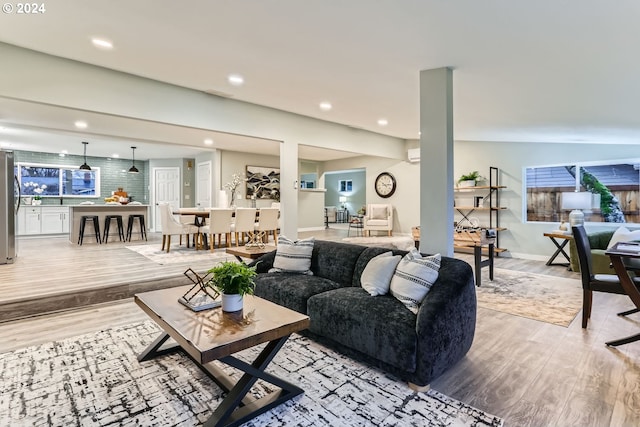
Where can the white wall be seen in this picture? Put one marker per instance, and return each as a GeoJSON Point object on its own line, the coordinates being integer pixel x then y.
{"type": "Point", "coordinates": [33, 76]}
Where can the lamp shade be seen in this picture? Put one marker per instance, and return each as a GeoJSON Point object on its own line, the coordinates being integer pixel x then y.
{"type": "Point", "coordinates": [576, 200]}
{"type": "Point", "coordinates": [342, 199]}
{"type": "Point", "coordinates": [85, 166]}
{"type": "Point", "coordinates": [133, 168]}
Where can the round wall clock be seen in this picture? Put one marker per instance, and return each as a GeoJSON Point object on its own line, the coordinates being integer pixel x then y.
{"type": "Point", "coordinates": [385, 184]}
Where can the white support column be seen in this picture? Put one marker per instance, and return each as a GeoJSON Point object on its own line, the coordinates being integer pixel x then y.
{"type": "Point", "coordinates": [436, 164]}
{"type": "Point", "coordinates": [289, 185]}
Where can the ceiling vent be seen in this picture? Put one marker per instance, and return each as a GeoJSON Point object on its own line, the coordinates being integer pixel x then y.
{"type": "Point", "coordinates": [413, 154]}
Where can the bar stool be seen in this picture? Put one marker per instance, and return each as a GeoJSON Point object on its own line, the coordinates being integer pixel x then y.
{"type": "Point", "coordinates": [143, 230]}
{"type": "Point", "coordinates": [96, 227]}
{"type": "Point", "coordinates": [107, 226]}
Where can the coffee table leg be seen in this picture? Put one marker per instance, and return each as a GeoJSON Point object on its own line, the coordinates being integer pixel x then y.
{"type": "Point", "coordinates": [153, 350]}
{"type": "Point", "coordinates": [229, 412]}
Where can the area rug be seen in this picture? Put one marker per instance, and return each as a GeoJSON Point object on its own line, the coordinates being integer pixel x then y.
{"type": "Point", "coordinates": [180, 254]}
{"type": "Point", "coordinates": [393, 242]}
{"type": "Point", "coordinates": [96, 380]}
{"type": "Point", "coordinates": [535, 296]}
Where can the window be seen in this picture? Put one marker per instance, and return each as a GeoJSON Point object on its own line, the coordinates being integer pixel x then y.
{"type": "Point", "coordinates": [614, 188]}
{"type": "Point", "coordinates": [58, 181]}
{"type": "Point", "coordinates": [345, 185]}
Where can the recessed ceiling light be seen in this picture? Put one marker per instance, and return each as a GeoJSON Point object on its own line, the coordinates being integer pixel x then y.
{"type": "Point", "coordinates": [235, 79]}
{"type": "Point", "coordinates": [80, 124]}
{"type": "Point", "coordinates": [115, 155]}
{"type": "Point", "coordinates": [61, 154]}
{"type": "Point", "coordinates": [325, 106]}
{"type": "Point", "coordinates": [208, 141]}
{"type": "Point", "coordinates": [101, 43]}
{"type": "Point", "coordinates": [383, 122]}
{"type": "Point", "coordinates": [64, 152]}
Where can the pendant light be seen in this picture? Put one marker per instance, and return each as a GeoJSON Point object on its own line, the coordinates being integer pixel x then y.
{"type": "Point", "coordinates": [133, 168]}
{"type": "Point", "coordinates": [85, 166]}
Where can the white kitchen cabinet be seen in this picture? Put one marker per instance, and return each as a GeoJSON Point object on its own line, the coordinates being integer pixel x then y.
{"type": "Point", "coordinates": [34, 220]}
{"type": "Point", "coordinates": [31, 222]}
{"type": "Point", "coordinates": [54, 220]}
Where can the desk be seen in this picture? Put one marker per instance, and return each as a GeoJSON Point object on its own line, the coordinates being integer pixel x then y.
{"type": "Point", "coordinates": [565, 238]}
{"type": "Point", "coordinates": [619, 251]}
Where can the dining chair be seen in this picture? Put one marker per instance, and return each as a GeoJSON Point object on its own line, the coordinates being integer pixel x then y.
{"type": "Point", "coordinates": [187, 219]}
{"type": "Point", "coordinates": [244, 223]}
{"type": "Point", "coordinates": [218, 223]}
{"type": "Point", "coordinates": [171, 226]}
{"type": "Point", "coordinates": [267, 224]}
{"type": "Point", "coordinates": [609, 283]}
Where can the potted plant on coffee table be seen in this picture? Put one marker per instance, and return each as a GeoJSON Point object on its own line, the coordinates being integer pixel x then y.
{"type": "Point", "coordinates": [233, 280]}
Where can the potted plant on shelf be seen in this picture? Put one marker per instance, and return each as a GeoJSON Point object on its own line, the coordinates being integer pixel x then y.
{"type": "Point", "coordinates": [233, 280]}
{"type": "Point", "coordinates": [470, 179]}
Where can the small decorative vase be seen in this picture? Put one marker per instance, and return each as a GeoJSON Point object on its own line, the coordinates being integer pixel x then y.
{"type": "Point", "coordinates": [232, 203]}
{"type": "Point", "coordinates": [232, 302]}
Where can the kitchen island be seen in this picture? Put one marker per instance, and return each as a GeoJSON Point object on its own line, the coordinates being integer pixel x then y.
{"type": "Point", "coordinates": [76, 212]}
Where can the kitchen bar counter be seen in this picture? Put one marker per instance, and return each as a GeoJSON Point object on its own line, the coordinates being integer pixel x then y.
{"type": "Point", "coordinates": [77, 211]}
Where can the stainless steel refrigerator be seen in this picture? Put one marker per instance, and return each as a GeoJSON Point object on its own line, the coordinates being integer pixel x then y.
{"type": "Point", "coordinates": [9, 206]}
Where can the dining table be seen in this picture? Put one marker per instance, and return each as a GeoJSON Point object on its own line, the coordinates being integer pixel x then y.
{"type": "Point", "coordinates": [620, 252]}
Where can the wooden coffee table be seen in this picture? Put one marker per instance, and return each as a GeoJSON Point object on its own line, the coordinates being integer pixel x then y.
{"type": "Point", "coordinates": [251, 252]}
{"type": "Point", "coordinates": [213, 335]}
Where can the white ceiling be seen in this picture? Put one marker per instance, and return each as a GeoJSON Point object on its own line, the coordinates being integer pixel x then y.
{"type": "Point", "coordinates": [543, 71]}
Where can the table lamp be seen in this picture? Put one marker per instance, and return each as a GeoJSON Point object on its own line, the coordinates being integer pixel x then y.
{"type": "Point", "coordinates": [576, 201]}
{"type": "Point", "coordinates": [343, 200]}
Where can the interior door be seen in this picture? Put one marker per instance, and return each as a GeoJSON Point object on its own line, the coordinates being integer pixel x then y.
{"type": "Point", "coordinates": [166, 190]}
{"type": "Point", "coordinates": [203, 189]}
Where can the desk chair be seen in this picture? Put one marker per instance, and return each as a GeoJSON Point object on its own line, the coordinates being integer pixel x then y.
{"type": "Point", "coordinates": [599, 282]}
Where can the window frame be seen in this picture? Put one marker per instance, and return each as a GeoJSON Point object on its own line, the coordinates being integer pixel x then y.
{"type": "Point", "coordinates": [62, 168]}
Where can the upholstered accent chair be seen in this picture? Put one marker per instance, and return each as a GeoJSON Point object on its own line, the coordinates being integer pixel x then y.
{"type": "Point", "coordinates": [171, 226]}
{"type": "Point", "coordinates": [379, 217]}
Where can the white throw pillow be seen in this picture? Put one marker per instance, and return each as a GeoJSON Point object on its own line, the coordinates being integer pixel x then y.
{"type": "Point", "coordinates": [623, 234]}
{"type": "Point", "coordinates": [414, 277]}
{"type": "Point", "coordinates": [376, 277]}
{"type": "Point", "coordinates": [293, 256]}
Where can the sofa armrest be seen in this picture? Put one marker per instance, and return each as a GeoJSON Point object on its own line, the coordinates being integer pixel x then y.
{"type": "Point", "coordinates": [264, 263]}
{"type": "Point", "coordinates": [446, 321]}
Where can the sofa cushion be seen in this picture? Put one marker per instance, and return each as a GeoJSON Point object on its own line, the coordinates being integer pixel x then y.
{"type": "Point", "coordinates": [367, 255]}
{"type": "Point", "coordinates": [376, 277]}
{"type": "Point", "coordinates": [414, 277]}
{"type": "Point", "coordinates": [291, 290]}
{"type": "Point", "coordinates": [293, 256]}
{"type": "Point", "coordinates": [335, 261]}
{"type": "Point", "coordinates": [380, 327]}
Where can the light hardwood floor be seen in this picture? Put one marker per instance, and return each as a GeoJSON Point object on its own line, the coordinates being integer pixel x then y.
{"type": "Point", "coordinates": [528, 372]}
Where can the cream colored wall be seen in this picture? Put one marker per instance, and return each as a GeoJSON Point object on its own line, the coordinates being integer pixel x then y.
{"type": "Point", "coordinates": [310, 210]}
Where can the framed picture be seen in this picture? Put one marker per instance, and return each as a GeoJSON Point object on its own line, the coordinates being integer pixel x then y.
{"type": "Point", "coordinates": [263, 182]}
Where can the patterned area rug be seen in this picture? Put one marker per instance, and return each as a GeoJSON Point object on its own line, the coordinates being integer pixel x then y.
{"type": "Point", "coordinates": [535, 296]}
{"type": "Point", "coordinates": [96, 380]}
{"type": "Point", "coordinates": [180, 254]}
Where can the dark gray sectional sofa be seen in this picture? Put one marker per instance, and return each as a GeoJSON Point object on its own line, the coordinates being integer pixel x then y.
{"type": "Point", "coordinates": [378, 330]}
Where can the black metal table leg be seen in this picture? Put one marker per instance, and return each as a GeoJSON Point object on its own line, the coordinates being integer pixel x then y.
{"type": "Point", "coordinates": [559, 250]}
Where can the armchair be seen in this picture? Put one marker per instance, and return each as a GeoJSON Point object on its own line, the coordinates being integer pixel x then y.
{"type": "Point", "coordinates": [330, 213]}
{"type": "Point", "coordinates": [379, 217]}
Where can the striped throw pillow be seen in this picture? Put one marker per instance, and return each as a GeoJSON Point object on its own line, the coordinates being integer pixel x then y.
{"type": "Point", "coordinates": [293, 257]}
{"type": "Point", "coordinates": [414, 277]}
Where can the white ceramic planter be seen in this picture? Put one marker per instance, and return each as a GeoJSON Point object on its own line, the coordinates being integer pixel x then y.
{"type": "Point", "coordinates": [232, 302]}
